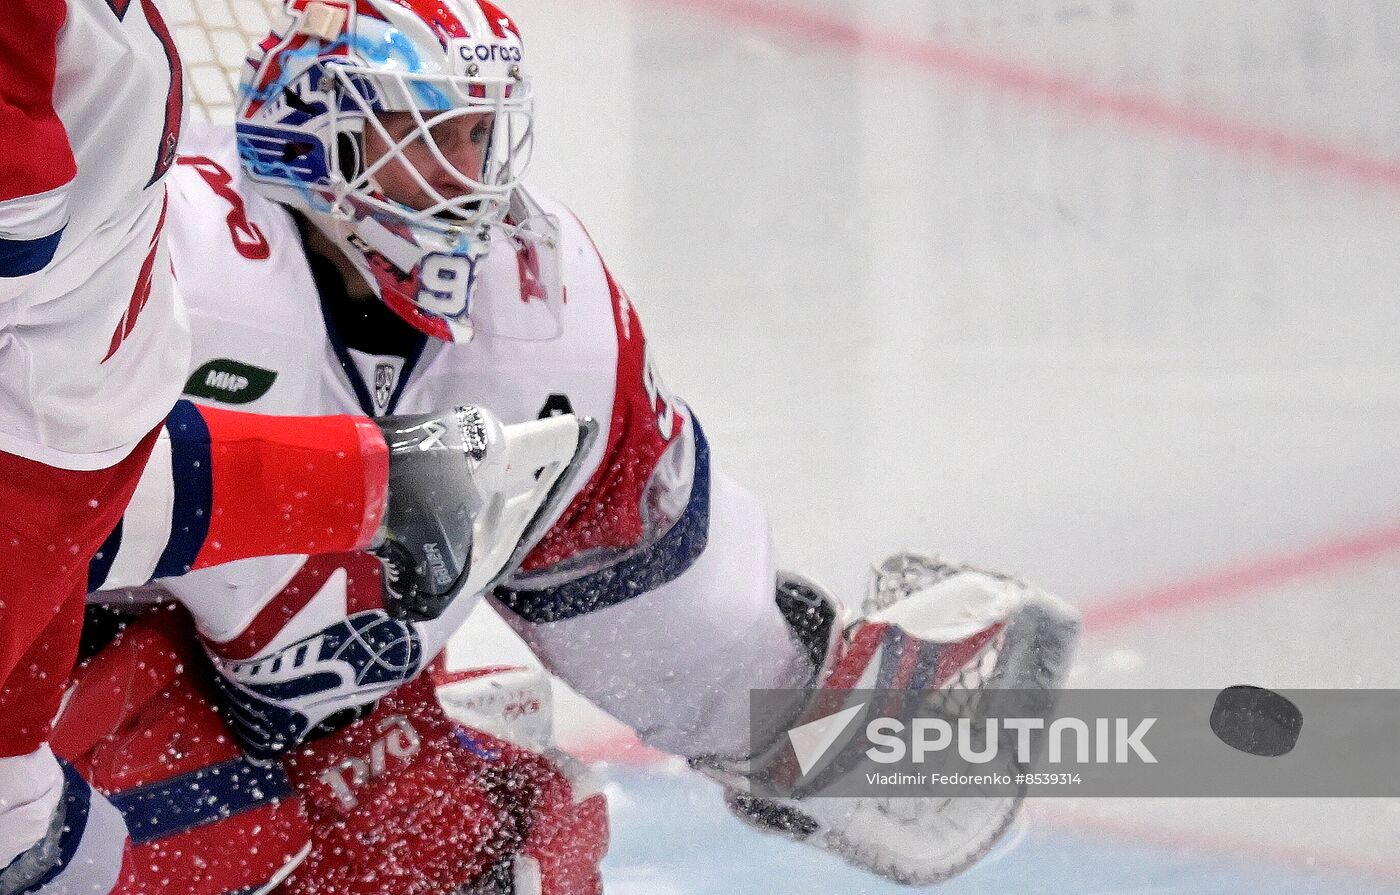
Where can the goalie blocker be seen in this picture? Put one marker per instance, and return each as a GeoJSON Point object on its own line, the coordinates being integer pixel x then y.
{"type": "Point", "coordinates": [927, 624]}
{"type": "Point", "coordinates": [461, 526]}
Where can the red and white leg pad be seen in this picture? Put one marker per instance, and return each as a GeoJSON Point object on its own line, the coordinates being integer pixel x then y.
{"type": "Point", "coordinates": [406, 799]}
{"type": "Point", "coordinates": [410, 799]}
{"type": "Point", "coordinates": [140, 724]}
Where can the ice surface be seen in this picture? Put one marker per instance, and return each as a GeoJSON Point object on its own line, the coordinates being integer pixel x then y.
{"type": "Point", "coordinates": [671, 836]}
{"type": "Point", "coordinates": [1098, 290]}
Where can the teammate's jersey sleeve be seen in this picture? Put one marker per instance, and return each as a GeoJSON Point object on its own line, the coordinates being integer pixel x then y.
{"type": "Point", "coordinates": [36, 161]}
{"type": "Point", "coordinates": [91, 105]}
{"type": "Point", "coordinates": [224, 485]}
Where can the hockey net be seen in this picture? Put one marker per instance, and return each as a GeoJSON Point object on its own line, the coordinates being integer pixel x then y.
{"type": "Point", "coordinates": [213, 37]}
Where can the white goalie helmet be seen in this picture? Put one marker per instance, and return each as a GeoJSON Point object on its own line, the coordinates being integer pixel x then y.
{"type": "Point", "coordinates": [401, 129]}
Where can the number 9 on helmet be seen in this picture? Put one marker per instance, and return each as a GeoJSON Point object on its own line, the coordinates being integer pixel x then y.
{"type": "Point", "coordinates": [401, 129]}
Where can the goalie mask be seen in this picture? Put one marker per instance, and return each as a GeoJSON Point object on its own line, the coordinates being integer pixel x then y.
{"type": "Point", "coordinates": [401, 129]}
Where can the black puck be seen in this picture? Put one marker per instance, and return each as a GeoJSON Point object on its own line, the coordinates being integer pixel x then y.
{"type": "Point", "coordinates": [1256, 720]}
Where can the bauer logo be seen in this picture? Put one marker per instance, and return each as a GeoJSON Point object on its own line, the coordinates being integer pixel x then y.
{"type": "Point", "coordinates": [229, 381]}
{"type": "Point", "coordinates": [435, 563]}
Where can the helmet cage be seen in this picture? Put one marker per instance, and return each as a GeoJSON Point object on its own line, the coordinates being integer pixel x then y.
{"type": "Point", "coordinates": [314, 91]}
{"type": "Point", "coordinates": [433, 100]}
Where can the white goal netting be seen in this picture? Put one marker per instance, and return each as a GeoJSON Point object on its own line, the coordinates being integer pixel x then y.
{"type": "Point", "coordinates": [214, 37]}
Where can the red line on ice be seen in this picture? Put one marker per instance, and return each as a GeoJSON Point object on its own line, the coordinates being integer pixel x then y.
{"type": "Point", "coordinates": [1143, 112]}
{"type": "Point", "coordinates": [1236, 582]}
{"type": "Point", "coordinates": [1239, 581]}
{"type": "Point", "coordinates": [1147, 113]}
{"type": "Point", "coordinates": [1047, 87]}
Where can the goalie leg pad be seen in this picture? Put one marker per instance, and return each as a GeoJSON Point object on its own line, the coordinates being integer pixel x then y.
{"type": "Point", "coordinates": [139, 724]}
{"type": "Point", "coordinates": [409, 800]}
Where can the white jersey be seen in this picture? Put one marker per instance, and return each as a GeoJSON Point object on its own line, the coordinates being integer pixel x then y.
{"type": "Point", "coordinates": [92, 340]}
{"type": "Point", "coordinates": [251, 298]}
{"type": "Point", "coordinates": [654, 557]}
